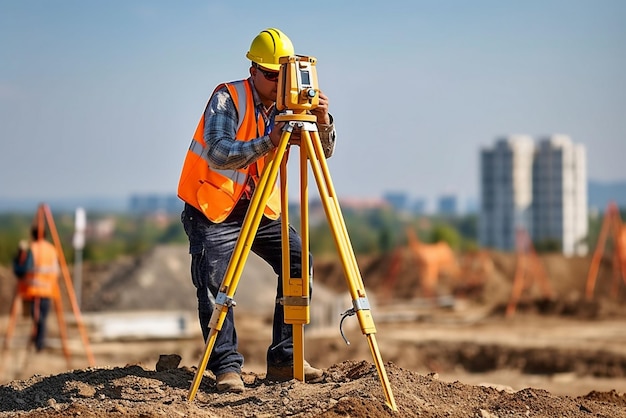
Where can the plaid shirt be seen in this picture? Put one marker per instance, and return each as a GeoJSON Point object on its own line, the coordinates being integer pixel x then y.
{"type": "Point", "coordinates": [220, 129]}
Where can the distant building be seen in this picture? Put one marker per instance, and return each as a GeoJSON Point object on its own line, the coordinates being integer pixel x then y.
{"type": "Point", "coordinates": [506, 191]}
{"type": "Point", "coordinates": [418, 207]}
{"type": "Point", "coordinates": [401, 202]}
{"type": "Point", "coordinates": [398, 200]}
{"type": "Point", "coordinates": [540, 189]}
{"type": "Point", "coordinates": [447, 205]}
{"type": "Point", "coordinates": [560, 194]}
{"type": "Point", "coordinates": [155, 203]}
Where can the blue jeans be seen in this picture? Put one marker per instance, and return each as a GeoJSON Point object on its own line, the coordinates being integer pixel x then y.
{"type": "Point", "coordinates": [40, 307]}
{"type": "Point", "coordinates": [211, 246]}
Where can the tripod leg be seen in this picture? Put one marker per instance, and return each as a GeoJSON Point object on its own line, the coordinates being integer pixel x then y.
{"type": "Point", "coordinates": [224, 299]}
{"type": "Point", "coordinates": [335, 218]}
{"type": "Point", "coordinates": [44, 212]}
{"type": "Point", "coordinates": [295, 289]}
{"type": "Point", "coordinates": [58, 308]}
{"type": "Point", "coordinates": [301, 313]}
{"type": "Point", "coordinates": [15, 308]}
{"type": "Point", "coordinates": [355, 283]}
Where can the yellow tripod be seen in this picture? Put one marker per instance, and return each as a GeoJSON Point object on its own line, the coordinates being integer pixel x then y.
{"type": "Point", "coordinates": [295, 289]}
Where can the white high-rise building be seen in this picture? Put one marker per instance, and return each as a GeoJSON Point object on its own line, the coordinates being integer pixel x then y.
{"type": "Point", "coordinates": [541, 189]}
{"type": "Point", "coordinates": [560, 194]}
{"type": "Point", "coordinates": [506, 191]}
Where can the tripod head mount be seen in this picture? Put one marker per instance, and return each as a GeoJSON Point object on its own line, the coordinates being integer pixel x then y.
{"type": "Point", "coordinates": [298, 89]}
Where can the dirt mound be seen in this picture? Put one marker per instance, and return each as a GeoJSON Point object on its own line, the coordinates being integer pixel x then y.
{"type": "Point", "coordinates": [350, 389]}
{"type": "Point", "coordinates": [160, 279]}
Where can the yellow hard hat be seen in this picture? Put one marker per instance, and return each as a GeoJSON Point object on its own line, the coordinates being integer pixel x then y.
{"type": "Point", "coordinates": [267, 48]}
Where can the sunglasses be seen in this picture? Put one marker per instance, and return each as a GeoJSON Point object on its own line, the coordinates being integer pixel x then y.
{"type": "Point", "coordinates": [269, 75]}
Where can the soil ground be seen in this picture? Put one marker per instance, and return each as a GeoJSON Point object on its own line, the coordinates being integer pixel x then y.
{"type": "Point", "coordinates": [457, 357]}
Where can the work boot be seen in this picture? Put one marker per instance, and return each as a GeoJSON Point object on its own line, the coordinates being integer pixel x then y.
{"type": "Point", "coordinates": [229, 382]}
{"type": "Point", "coordinates": [284, 373]}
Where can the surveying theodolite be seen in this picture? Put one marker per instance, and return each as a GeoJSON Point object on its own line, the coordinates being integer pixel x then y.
{"type": "Point", "coordinates": [298, 93]}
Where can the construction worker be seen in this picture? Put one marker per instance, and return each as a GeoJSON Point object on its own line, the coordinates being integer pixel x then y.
{"type": "Point", "coordinates": [39, 286]}
{"type": "Point", "coordinates": [220, 172]}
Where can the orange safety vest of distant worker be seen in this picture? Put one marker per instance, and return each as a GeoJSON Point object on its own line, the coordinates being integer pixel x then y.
{"type": "Point", "coordinates": [42, 281]}
{"type": "Point", "coordinates": [215, 192]}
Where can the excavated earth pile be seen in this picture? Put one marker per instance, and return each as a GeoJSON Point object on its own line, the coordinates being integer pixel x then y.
{"type": "Point", "coordinates": [350, 389]}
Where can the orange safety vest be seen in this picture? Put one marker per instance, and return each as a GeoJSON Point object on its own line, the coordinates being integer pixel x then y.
{"type": "Point", "coordinates": [42, 281]}
{"type": "Point", "coordinates": [215, 192]}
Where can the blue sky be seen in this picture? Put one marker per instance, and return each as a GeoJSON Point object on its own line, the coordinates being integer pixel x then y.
{"type": "Point", "coordinates": [100, 98]}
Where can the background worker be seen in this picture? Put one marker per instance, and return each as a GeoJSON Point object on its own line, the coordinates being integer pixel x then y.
{"type": "Point", "coordinates": [39, 285]}
{"type": "Point", "coordinates": [219, 175]}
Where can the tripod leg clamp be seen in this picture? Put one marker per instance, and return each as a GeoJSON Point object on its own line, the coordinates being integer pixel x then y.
{"type": "Point", "coordinates": [225, 300]}
{"type": "Point", "coordinates": [222, 303]}
{"type": "Point", "coordinates": [360, 308]}
{"type": "Point", "coordinates": [296, 304]}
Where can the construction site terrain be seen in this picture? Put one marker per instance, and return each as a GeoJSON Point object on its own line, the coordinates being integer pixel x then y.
{"type": "Point", "coordinates": [463, 351]}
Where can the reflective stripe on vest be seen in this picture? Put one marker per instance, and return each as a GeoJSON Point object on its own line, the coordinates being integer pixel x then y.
{"type": "Point", "coordinates": [214, 191]}
{"type": "Point", "coordinates": [202, 152]}
{"type": "Point", "coordinates": [45, 269]}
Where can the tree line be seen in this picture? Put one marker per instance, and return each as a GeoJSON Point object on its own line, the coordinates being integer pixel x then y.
{"type": "Point", "coordinates": [373, 230]}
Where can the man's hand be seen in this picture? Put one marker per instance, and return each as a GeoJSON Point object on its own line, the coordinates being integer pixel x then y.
{"type": "Point", "coordinates": [321, 111]}
{"type": "Point", "coordinates": [277, 132]}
